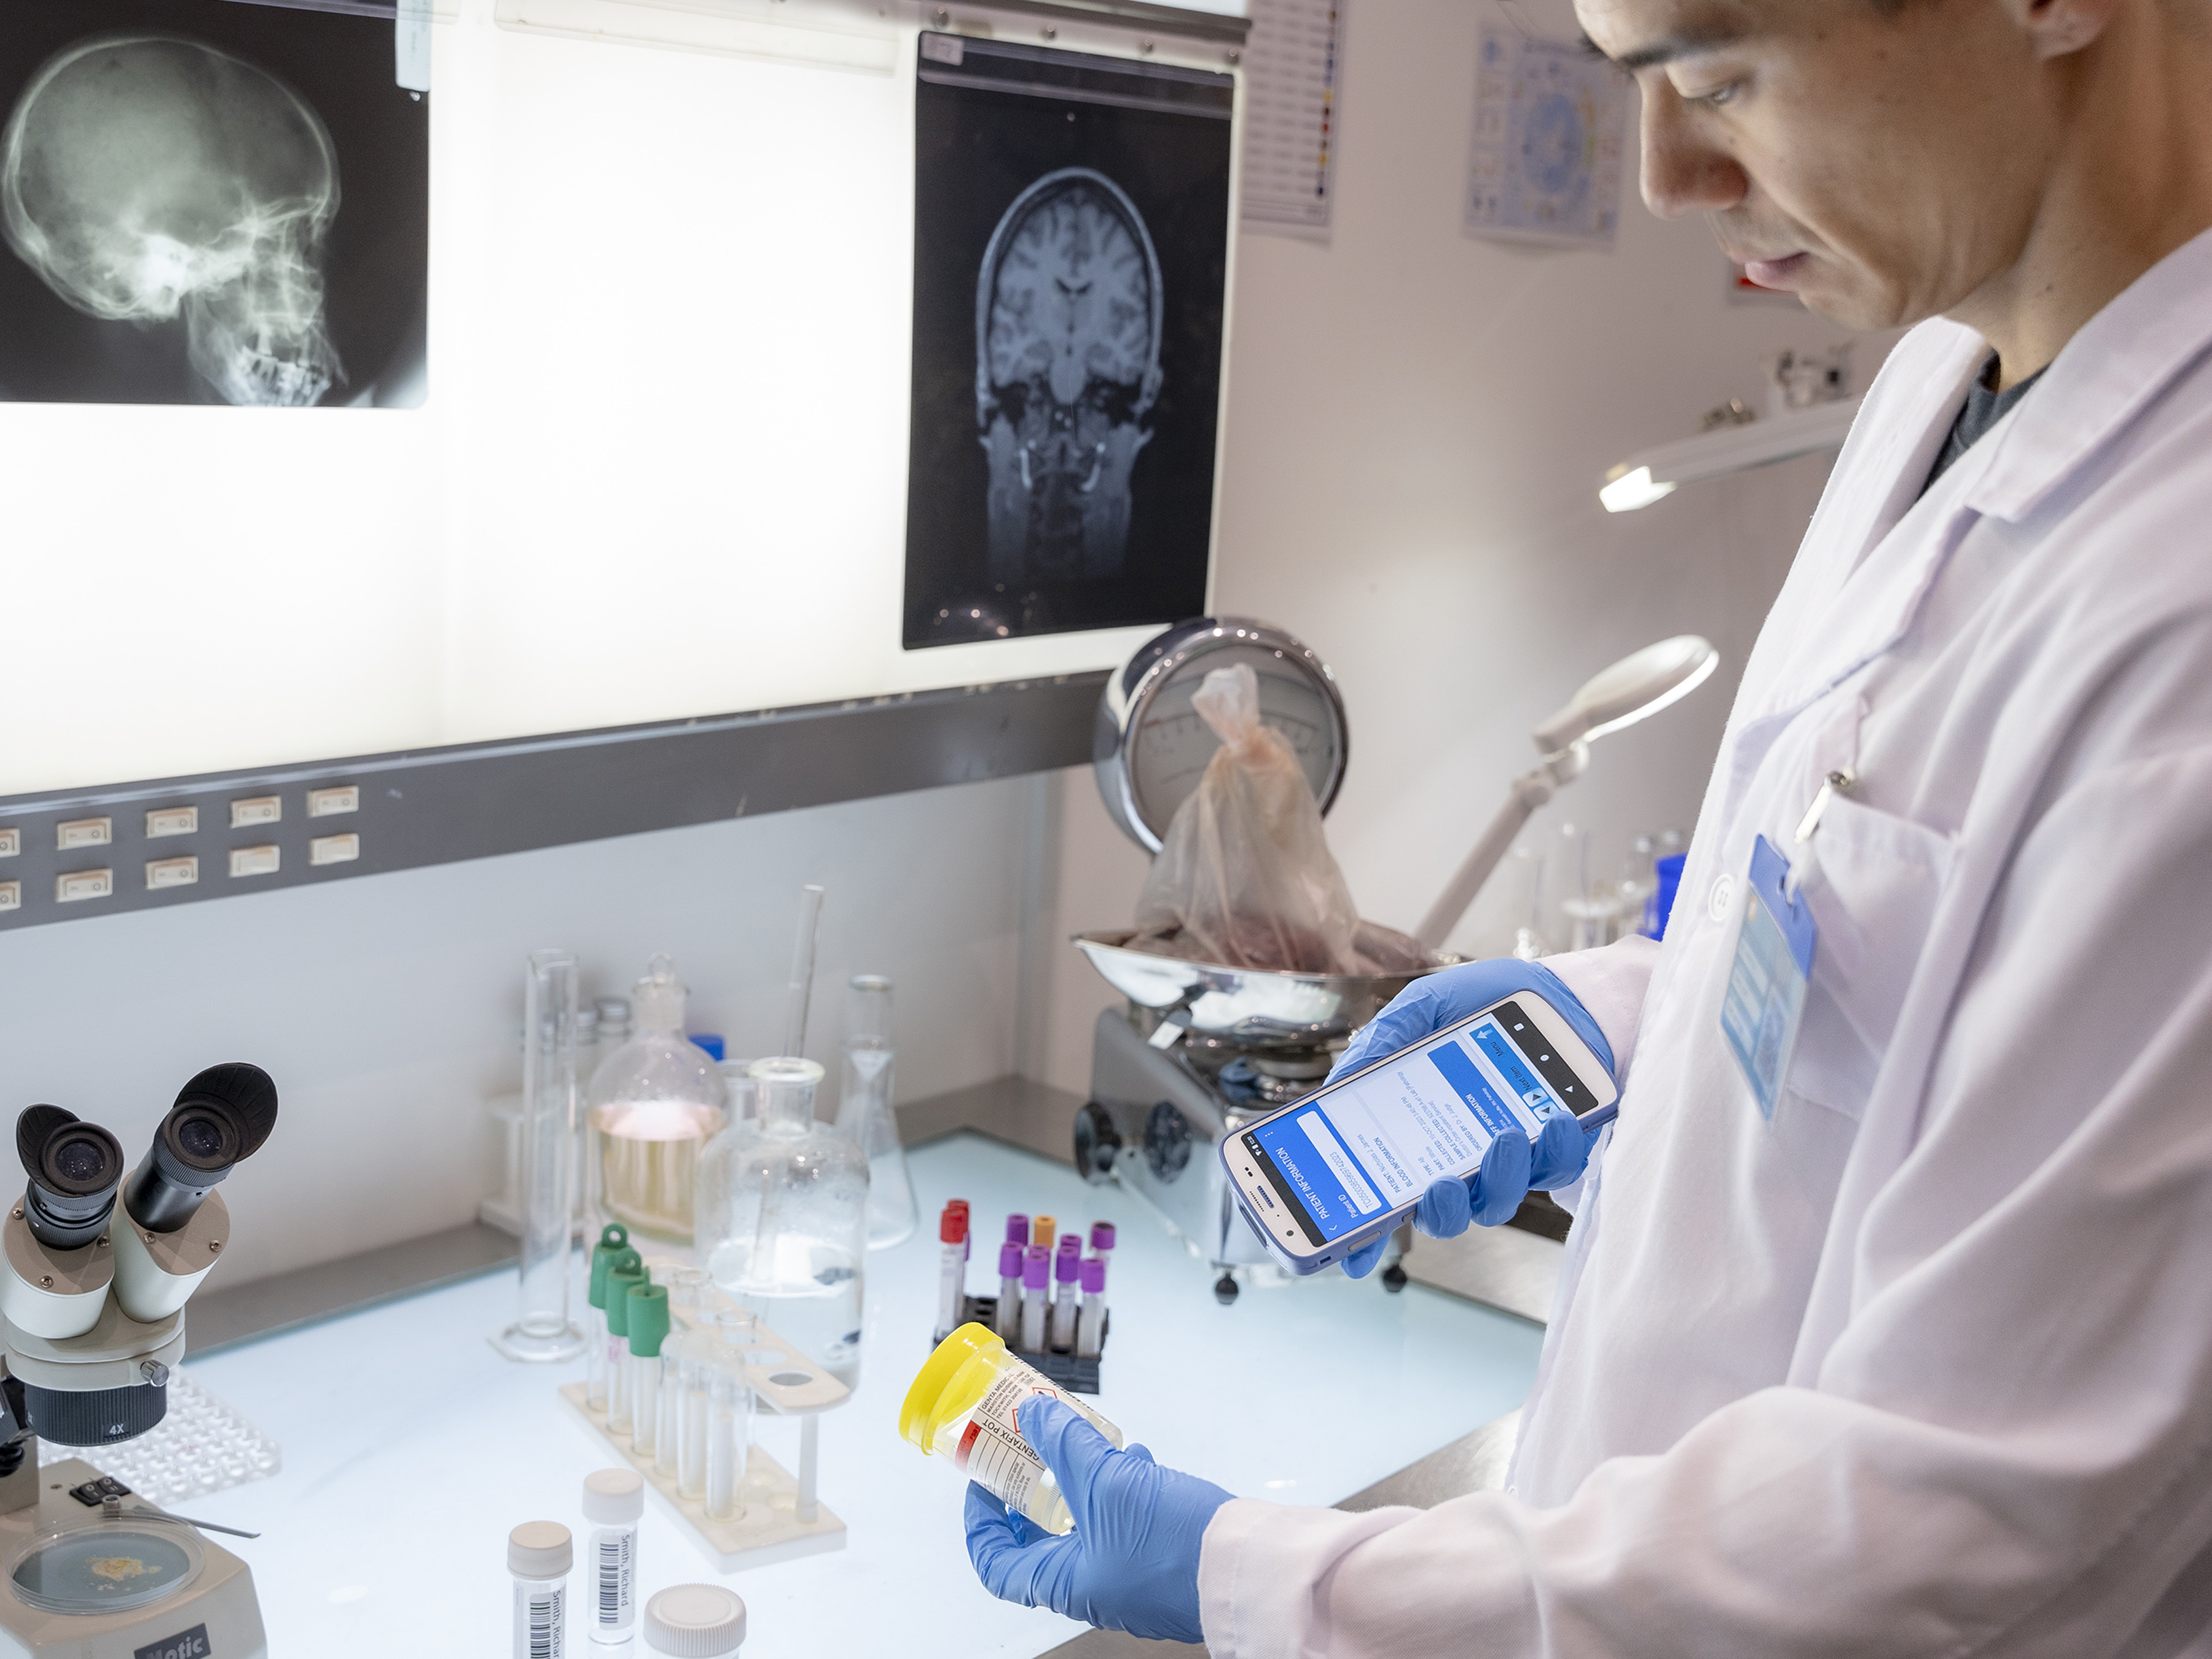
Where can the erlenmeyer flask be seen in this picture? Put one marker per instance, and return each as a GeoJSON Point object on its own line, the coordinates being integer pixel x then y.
{"type": "Point", "coordinates": [865, 1110]}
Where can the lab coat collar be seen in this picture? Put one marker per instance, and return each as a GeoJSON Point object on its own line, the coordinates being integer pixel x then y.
{"type": "Point", "coordinates": [2119, 363]}
{"type": "Point", "coordinates": [1886, 556]}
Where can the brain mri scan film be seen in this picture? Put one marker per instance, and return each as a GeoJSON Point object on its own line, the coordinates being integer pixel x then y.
{"type": "Point", "coordinates": [1069, 250]}
{"type": "Point", "coordinates": [209, 202]}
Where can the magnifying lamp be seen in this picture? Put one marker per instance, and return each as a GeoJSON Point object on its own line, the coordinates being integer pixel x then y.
{"type": "Point", "coordinates": [1636, 688]}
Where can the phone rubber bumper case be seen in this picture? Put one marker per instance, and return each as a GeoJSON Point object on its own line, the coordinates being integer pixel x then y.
{"type": "Point", "coordinates": [962, 1407]}
{"type": "Point", "coordinates": [1235, 1155]}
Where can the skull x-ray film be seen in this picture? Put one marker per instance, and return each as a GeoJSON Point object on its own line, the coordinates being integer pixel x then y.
{"type": "Point", "coordinates": [1071, 250]}
{"type": "Point", "coordinates": [210, 202]}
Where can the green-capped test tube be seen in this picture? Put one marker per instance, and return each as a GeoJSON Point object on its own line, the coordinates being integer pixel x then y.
{"type": "Point", "coordinates": [625, 1274]}
{"type": "Point", "coordinates": [614, 1239]}
{"type": "Point", "coordinates": [646, 1321]}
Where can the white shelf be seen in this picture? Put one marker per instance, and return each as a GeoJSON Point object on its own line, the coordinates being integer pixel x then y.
{"type": "Point", "coordinates": [1650, 474]}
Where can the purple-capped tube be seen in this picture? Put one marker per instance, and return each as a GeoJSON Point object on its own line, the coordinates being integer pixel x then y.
{"type": "Point", "coordinates": [1102, 1237]}
{"type": "Point", "coordinates": [1091, 1324]}
{"type": "Point", "coordinates": [1008, 1320]}
{"type": "Point", "coordinates": [1036, 1269]}
{"type": "Point", "coordinates": [1065, 1271]}
{"type": "Point", "coordinates": [1018, 1230]}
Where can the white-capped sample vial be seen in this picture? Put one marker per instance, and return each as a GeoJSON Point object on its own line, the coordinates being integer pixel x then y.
{"type": "Point", "coordinates": [695, 1621]}
{"type": "Point", "coordinates": [539, 1554]}
{"type": "Point", "coordinates": [614, 1503]}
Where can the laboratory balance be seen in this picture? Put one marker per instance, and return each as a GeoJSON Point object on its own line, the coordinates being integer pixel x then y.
{"type": "Point", "coordinates": [1201, 1049]}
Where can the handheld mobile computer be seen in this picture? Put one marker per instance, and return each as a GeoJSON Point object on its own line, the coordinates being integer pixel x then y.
{"type": "Point", "coordinates": [1348, 1164]}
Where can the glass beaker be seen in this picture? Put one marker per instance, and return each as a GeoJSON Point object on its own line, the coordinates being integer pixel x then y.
{"type": "Point", "coordinates": [782, 1218]}
{"type": "Point", "coordinates": [655, 1103]}
{"type": "Point", "coordinates": [865, 1110]}
{"type": "Point", "coordinates": [541, 1331]}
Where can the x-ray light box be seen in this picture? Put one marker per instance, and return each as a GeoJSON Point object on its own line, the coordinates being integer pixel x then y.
{"type": "Point", "coordinates": [658, 468]}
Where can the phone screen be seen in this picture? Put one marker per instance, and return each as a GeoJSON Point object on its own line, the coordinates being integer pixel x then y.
{"type": "Point", "coordinates": [1373, 1143]}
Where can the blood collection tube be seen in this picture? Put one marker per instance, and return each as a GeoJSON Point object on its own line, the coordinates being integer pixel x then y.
{"type": "Point", "coordinates": [952, 1261]}
{"type": "Point", "coordinates": [1091, 1325]}
{"type": "Point", "coordinates": [1102, 1238]}
{"type": "Point", "coordinates": [1066, 1270]}
{"type": "Point", "coordinates": [1008, 1322]}
{"type": "Point", "coordinates": [1018, 1230]}
{"type": "Point", "coordinates": [1037, 1268]}
{"type": "Point", "coordinates": [1042, 1230]}
{"type": "Point", "coordinates": [614, 1239]}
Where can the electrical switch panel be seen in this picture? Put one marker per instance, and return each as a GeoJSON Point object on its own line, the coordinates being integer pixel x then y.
{"type": "Point", "coordinates": [254, 861]}
{"type": "Point", "coordinates": [171, 873]}
{"type": "Point", "coordinates": [172, 821]}
{"type": "Point", "coordinates": [334, 849]}
{"type": "Point", "coordinates": [11, 843]}
{"type": "Point", "coordinates": [11, 895]}
{"type": "Point", "coordinates": [80, 885]}
{"type": "Point", "coordinates": [79, 833]}
{"type": "Point", "coordinates": [256, 810]}
{"type": "Point", "coordinates": [329, 803]}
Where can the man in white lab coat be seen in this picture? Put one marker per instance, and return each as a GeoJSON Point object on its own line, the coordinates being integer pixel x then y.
{"type": "Point", "coordinates": [1920, 1360]}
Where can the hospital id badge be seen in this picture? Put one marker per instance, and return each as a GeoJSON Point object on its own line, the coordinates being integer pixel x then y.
{"type": "Point", "coordinates": [1766, 999]}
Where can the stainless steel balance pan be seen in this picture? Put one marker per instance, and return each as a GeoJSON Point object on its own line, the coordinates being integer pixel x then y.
{"type": "Point", "coordinates": [1248, 1004]}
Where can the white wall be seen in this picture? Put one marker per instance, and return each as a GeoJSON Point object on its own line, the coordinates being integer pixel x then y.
{"type": "Point", "coordinates": [386, 1007]}
{"type": "Point", "coordinates": [1418, 423]}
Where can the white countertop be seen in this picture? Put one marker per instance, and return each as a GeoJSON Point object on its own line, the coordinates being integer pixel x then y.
{"type": "Point", "coordinates": [410, 1448]}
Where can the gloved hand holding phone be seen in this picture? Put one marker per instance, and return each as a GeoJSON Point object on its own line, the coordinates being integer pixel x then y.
{"type": "Point", "coordinates": [1511, 1167]}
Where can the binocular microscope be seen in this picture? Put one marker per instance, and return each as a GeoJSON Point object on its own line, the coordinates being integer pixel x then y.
{"type": "Point", "coordinates": [91, 1321]}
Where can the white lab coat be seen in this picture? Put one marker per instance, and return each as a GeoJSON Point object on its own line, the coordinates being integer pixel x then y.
{"type": "Point", "coordinates": [1924, 1366]}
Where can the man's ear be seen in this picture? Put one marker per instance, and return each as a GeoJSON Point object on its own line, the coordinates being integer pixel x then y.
{"type": "Point", "coordinates": [2056, 28]}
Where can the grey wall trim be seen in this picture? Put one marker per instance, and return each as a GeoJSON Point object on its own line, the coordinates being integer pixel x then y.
{"type": "Point", "coordinates": [1138, 14]}
{"type": "Point", "coordinates": [440, 805]}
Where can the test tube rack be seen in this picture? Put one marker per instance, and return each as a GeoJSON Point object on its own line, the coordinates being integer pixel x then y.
{"type": "Point", "coordinates": [1077, 1374]}
{"type": "Point", "coordinates": [780, 1517]}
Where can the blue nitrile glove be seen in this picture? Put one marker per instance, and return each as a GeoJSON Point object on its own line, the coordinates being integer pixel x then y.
{"type": "Point", "coordinates": [1132, 1562]}
{"type": "Point", "coordinates": [1511, 1167]}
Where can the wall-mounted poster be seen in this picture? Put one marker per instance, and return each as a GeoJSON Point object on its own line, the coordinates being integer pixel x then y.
{"type": "Point", "coordinates": [210, 202]}
{"type": "Point", "coordinates": [1550, 127]}
{"type": "Point", "coordinates": [1071, 251]}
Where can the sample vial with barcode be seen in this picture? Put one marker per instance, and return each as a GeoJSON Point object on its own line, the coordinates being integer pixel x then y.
{"type": "Point", "coordinates": [539, 1554]}
{"type": "Point", "coordinates": [614, 1503]}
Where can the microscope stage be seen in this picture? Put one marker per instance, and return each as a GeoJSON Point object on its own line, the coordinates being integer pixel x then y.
{"type": "Point", "coordinates": [160, 1590]}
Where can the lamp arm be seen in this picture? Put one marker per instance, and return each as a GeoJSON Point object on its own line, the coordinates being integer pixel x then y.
{"type": "Point", "coordinates": [1529, 791]}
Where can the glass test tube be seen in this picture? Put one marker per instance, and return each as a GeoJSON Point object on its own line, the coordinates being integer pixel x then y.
{"type": "Point", "coordinates": [542, 1332]}
{"type": "Point", "coordinates": [729, 1431]}
{"type": "Point", "coordinates": [687, 1295]}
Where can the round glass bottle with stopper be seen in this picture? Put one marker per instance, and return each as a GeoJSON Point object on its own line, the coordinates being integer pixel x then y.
{"type": "Point", "coordinates": [654, 1103]}
{"type": "Point", "coordinates": [783, 1218]}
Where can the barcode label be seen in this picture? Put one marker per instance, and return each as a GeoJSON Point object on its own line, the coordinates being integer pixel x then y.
{"type": "Point", "coordinates": [617, 1571]}
{"type": "Point", "coordinates": [542, 1636]}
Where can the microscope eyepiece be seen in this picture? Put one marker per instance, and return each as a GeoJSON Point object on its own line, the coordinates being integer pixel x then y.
{"type": "Point", "coordinates": [219, 1120]}
{"type": "Point", "coordinates": [75, 1167]}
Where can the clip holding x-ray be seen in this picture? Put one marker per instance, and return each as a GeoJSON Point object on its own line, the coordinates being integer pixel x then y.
{"type": "Point", "coordinates": [410, 44]}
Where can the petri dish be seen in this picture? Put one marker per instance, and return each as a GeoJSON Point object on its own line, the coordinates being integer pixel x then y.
{"type": "Point", "coordinates": [104, 1568]}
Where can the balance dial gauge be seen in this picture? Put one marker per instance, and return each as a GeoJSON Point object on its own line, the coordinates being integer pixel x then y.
{"type": "Point", "coordinates": [1150, 747]}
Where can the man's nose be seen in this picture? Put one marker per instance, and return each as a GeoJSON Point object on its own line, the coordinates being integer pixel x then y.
{"type": "Point", "coordinates": [1684, 171]}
